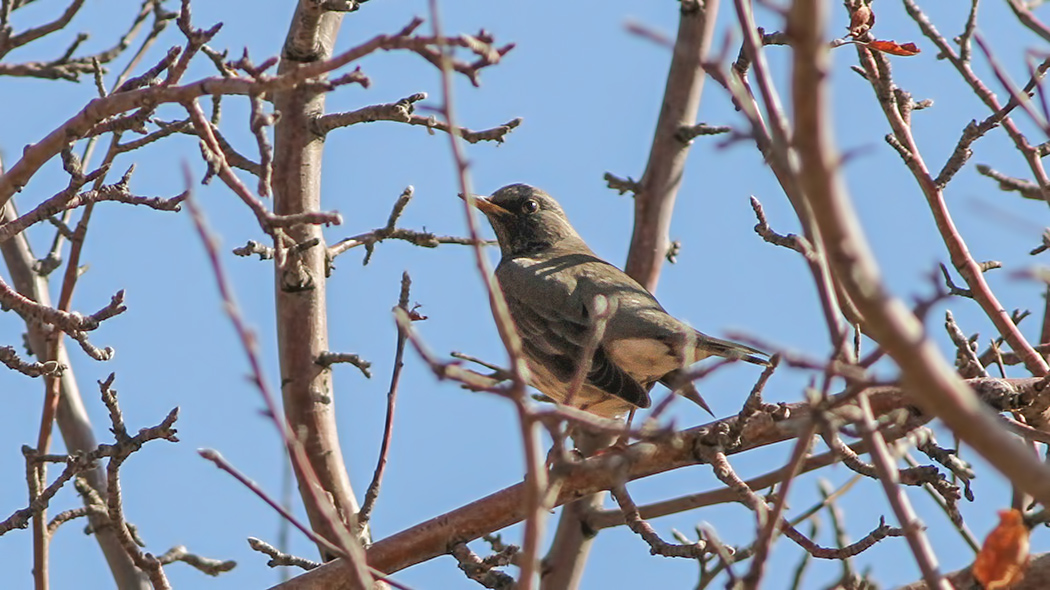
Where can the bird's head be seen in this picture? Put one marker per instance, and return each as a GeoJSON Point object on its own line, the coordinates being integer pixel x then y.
{"type": "Point", "coordinates": [526, 219]}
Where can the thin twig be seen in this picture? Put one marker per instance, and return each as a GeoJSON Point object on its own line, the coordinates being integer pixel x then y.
{"type": "Point", "coordinates": [220, 462]}
{"type": "Point", "coordinates": [535, 474]}
{"type": "Point", "coordinates": [888, 476]}
{"type": "Point", "coordinates": [657, 546]}
{"type": "Point", "coordinates": [601, 309]}
{"type": "Point", "coordinates": [278, 558]}
{"type": "Point", "coordinates": [327, 359]}
{"type": "Point", "coordinates": [768, 529]}
{"type": "Point", "coordinates": [372, 493]}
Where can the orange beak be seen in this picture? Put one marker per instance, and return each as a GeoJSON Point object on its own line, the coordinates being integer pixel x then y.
{"type": "Point", "coordinates": [486, 206]}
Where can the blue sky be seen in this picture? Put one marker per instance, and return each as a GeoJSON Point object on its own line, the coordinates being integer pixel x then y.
{"type": "Point", "coordinates": [588, 92]}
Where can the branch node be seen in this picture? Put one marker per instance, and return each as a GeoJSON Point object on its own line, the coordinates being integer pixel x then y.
{"type": "Point", "coordinates": [621, 185]}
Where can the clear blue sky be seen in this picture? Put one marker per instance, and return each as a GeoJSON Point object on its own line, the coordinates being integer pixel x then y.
{"type": "Point", "coordinates": [589, 92]}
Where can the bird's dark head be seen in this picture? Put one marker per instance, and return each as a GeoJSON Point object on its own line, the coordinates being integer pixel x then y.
{"type": "Point", "coordinates": [526, 220]}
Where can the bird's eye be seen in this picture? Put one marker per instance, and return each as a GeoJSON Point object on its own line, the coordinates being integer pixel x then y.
{"type": "Point", "coordinates": [530, 206]}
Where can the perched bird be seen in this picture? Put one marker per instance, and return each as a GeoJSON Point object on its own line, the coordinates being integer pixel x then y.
{"type": "Point", "coordinates": [555, 286]}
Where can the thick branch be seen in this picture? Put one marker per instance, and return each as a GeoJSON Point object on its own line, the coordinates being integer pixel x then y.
{"type": "Point", "coordinates": [506, 507]}
{"type": "Point", "coordinates": [654, 203]}
{"type": "Point", "coordinates": [302, 322]}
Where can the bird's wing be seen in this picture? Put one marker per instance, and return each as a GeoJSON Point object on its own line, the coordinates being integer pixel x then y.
{"type": "Point", "coordinates": [554, 333]}
{"type": "Point", "coordinates": [608, 377]}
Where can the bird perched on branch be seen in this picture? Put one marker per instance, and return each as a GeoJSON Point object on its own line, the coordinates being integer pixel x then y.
{"type": "Point", "coordinates": [567, 303]}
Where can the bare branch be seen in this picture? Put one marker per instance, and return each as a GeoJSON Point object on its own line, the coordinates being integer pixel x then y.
{"type": "Point", "coordinates": [483, 571]}
{"type": "Point", "coordinates": [62, 202]}
{"type": "Point", "coordinates": [657, 546]}
{"type": "Point", "coordinates": [101, 109]}
{"type": "Point", "coordinates": [1026, 189]}
{"type": "Point", "coordinates": [223, 464]}
{"type": "Point", "coordinates": [69, 322]}
{"type": "Point", "coordinates": [390, 231]}
{"type": "Point", "coordinates": [922, 366]}
{"type": "Point", "coordinates": [913, 528]}
{"type": "Point", "coordinates": [791, 241]}
{"type": "Point", "coordinates": [327, 359]}
{"type": "Point", "coordinates": [372, 493]}
{"type": "Point", "coordinates": [277, 558]}
{"type": "Point", "coordinates": [403, 111]}
{"type": "Point", "coordinates": [9, 357]}
{"type": "Point", "coordinates": [654, 202]}
{"type": "Point", "coordinates": [212, 567]}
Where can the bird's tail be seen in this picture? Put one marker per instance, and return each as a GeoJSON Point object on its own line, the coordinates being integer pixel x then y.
{"type": "Point", "coordinates": [730, 350]}
{"type": "Point", "coordinates": [678, 382]}
{"type": "Point", "coordinates": [704, 346]}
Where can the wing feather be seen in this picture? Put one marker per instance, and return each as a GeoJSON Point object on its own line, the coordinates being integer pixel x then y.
{"type": "Point", "coordinates": [557, 340]}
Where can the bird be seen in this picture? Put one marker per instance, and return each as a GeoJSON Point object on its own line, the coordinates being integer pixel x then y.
{"type": "Point", "coordinates": [555, 287]}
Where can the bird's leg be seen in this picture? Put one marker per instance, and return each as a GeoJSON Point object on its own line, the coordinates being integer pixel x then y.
{"type": "Point", "coordinates": [625, 438]}
{"type": "Point", "coordinates": [589, 442]}
{"type": "Point", "coordinates": [559, 455]}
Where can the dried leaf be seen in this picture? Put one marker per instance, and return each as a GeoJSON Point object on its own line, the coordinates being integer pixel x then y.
{"type": "Point", "coordinates": [893, 48]}
{"type": "Point", "coordinates": [1004, 556]}
{"type": "Point", "coordinates": [861, 21]}
{"type": "Point", "coordinates": [414, 315]}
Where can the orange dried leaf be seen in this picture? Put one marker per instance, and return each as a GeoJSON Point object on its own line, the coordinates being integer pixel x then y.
{"type": "Point", "coordinates": [861, 21]}
{"type": "Point", "coordinates": [894, 48]}
{"type": "Point", "coordinates": [414, 315]}
{"type": "Point", "coordinates": [1004, 556]}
